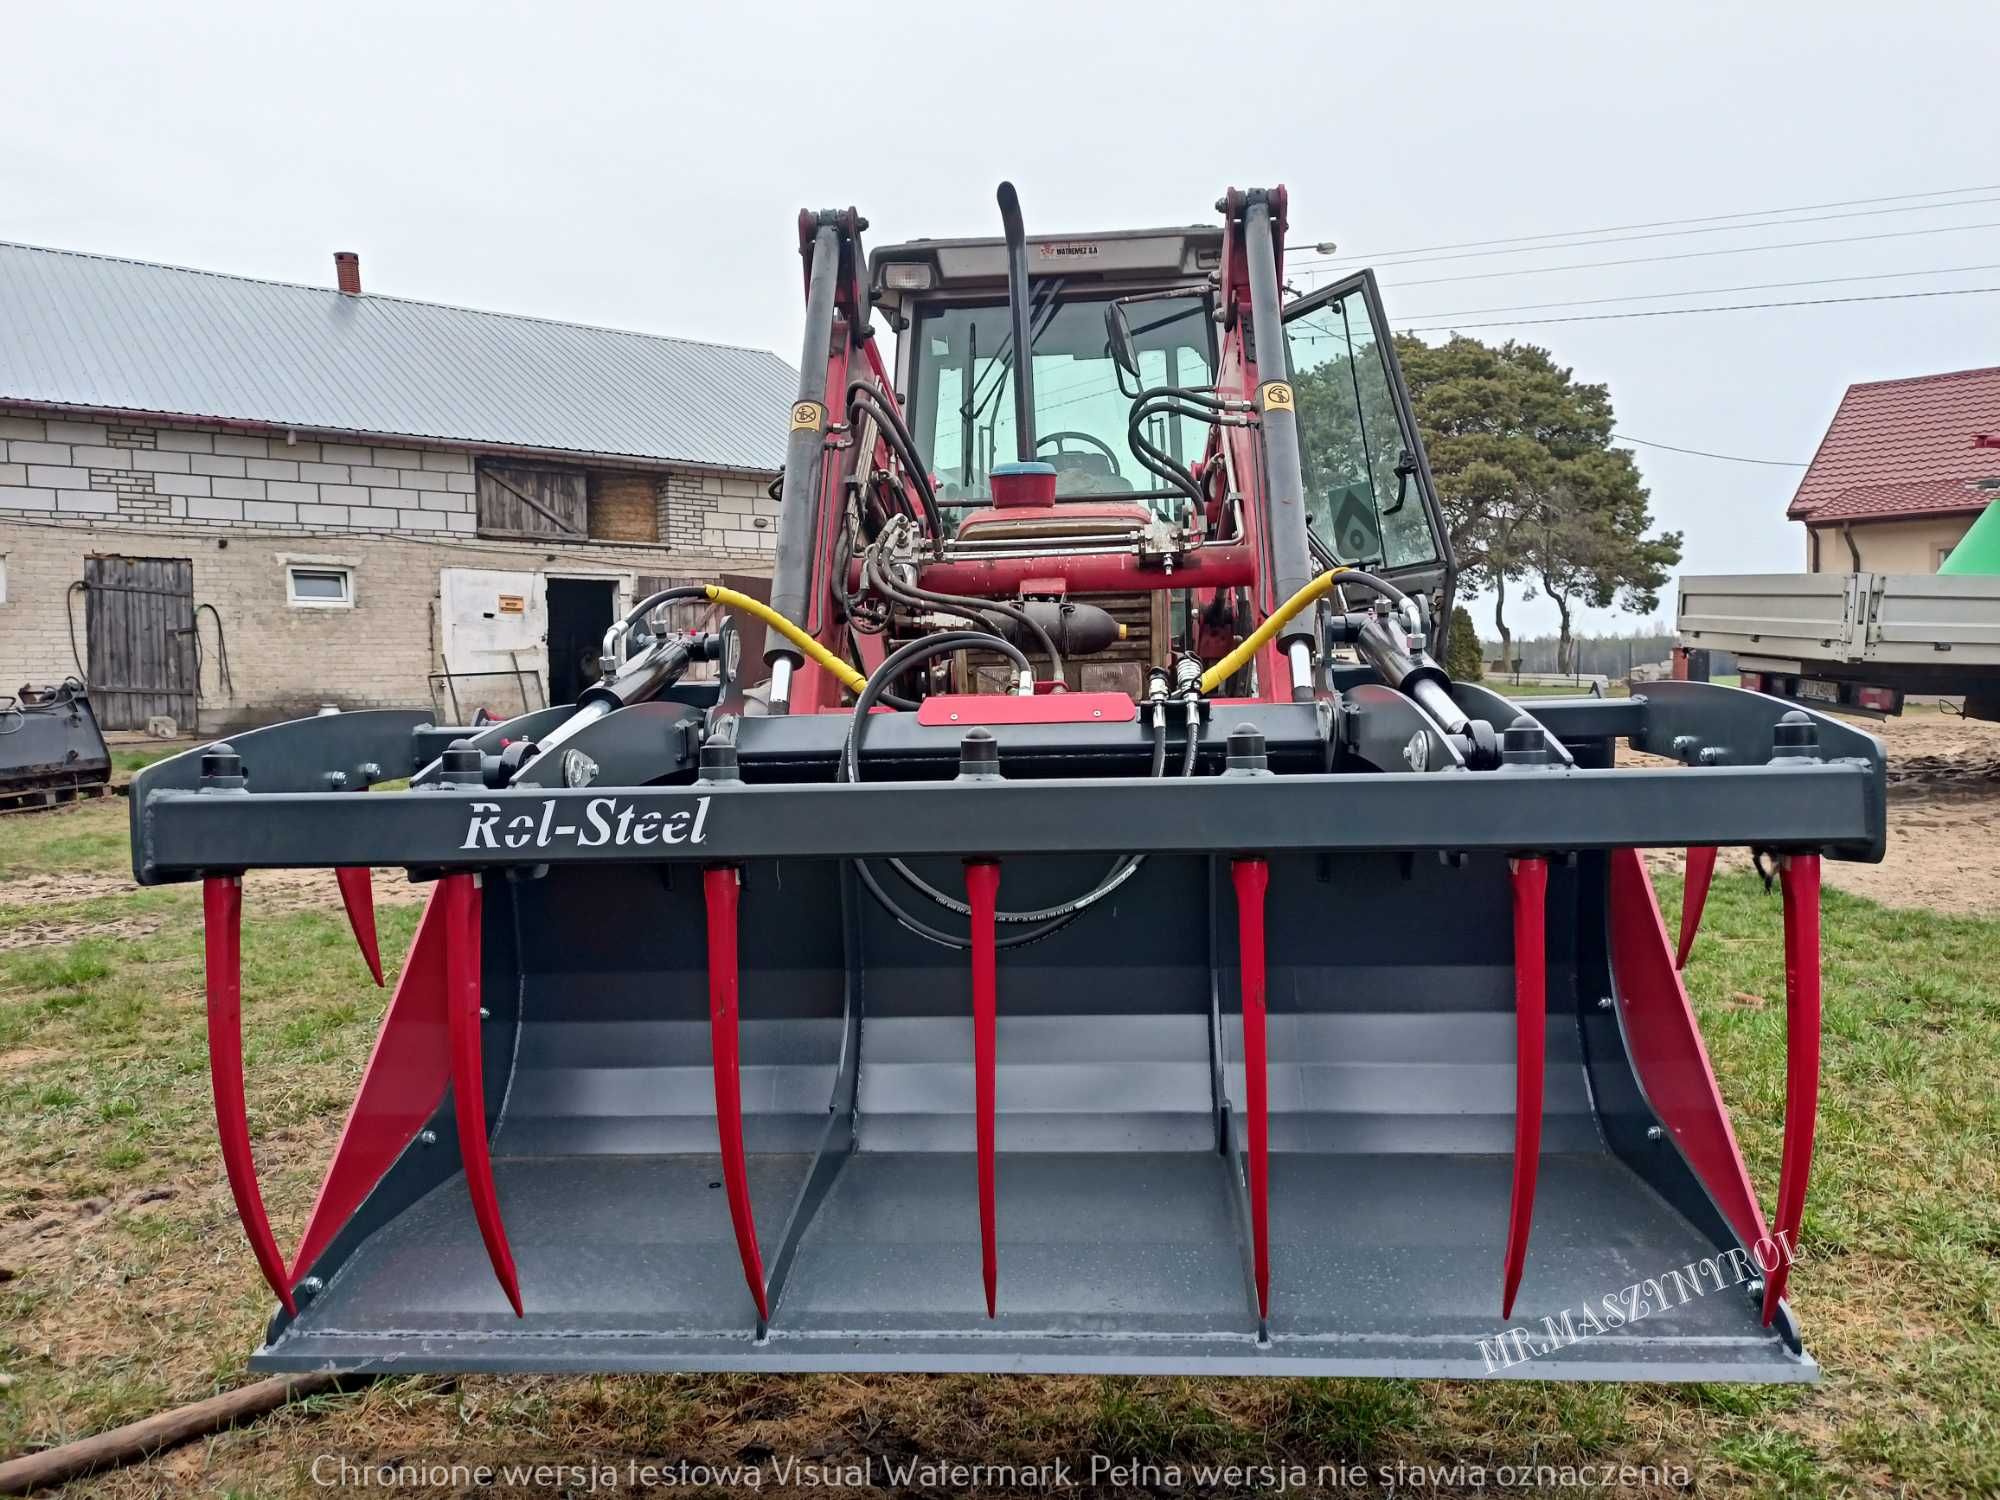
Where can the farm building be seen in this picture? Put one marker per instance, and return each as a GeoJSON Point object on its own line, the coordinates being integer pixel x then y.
{"type": "Point", "coordinates": [227, 501]}
{"type": "Point", "coordinates": [1904, 470]}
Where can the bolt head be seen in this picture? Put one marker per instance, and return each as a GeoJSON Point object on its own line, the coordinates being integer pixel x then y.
{"type": "Point", "coordinates": [428, 1137]}
{"type": "Point", "coordinates": [1654, 1133]}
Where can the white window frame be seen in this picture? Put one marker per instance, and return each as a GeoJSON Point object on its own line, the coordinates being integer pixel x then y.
{"type": "Point", "coordinates": [292, 596]}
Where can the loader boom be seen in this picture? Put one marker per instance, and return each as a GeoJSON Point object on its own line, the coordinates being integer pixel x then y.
{"type": "Point", "coordinates": [1092, 934]}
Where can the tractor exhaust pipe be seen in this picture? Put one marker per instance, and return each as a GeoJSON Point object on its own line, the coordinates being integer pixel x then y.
{"type": "Point", "coordinates": [1017, 312]}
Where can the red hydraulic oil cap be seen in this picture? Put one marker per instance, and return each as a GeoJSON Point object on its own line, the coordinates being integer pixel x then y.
{"type": "Point", "coordinates": [1022, 484]}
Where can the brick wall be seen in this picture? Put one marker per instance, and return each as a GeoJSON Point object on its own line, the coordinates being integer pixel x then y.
{"type": "Point", "coordinates": [718, 514]}
{"type": "Point", "coordinates": [284, 659]}
{"type": "Point", "coordinates": [193, 477]}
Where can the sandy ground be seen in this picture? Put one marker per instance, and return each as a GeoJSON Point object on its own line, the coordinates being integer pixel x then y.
{"type": "Point", "coordinates": [1944, 819]}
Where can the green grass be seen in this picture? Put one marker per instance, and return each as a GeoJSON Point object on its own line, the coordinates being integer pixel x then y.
{"type": "Point", "coordinates": [155, 1303]}
{"type": "Point", "coordinates": [127, 760]}
{"type": "Point", "coordinates": [81, 838]}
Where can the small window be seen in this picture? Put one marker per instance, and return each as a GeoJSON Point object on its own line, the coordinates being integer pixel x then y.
{"type": "Point", "coordinates": [321, 588]}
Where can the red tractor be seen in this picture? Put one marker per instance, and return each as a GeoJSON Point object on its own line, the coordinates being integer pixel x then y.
{"type": "Point", "coordinates": [1081, 927]}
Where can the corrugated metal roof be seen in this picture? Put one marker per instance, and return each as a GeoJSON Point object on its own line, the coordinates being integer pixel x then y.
{"type": "Point", "coordinates": [94, 331]}
{"type": "Point", "coordinates": [1903, 431]}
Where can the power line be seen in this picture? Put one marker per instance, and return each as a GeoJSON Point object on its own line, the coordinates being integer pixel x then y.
{"type": "Point", "coordinates": [1643, 260]}
{"type": "Point", "coordinates": [1670, 234]}
{"type": "Point", "coordinates": [1733, 458]}
{"type": "Point", "coordinates": [1748, 213]}
{"type": "Point", "coordinates": [1707, 291]}
{"type": "Point", "coordinates": [1677, 312]}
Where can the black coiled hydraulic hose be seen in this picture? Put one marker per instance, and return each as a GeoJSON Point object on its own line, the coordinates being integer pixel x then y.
{"type": "Point", "coordinates": [1053, 918]}
{"type": "Point", "coordinates": [864, 397]}
{"type": "Point", "coordinates": [1164, 400]}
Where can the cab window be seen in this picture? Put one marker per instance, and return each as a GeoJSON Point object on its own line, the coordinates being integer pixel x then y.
{"type": "Point", "coordinates": [963, 415]}
{"type": "Point", "coordinates": [1364, 497]}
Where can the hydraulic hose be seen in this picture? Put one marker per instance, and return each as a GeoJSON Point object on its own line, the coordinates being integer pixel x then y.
{"type": "Point", "coordinates": [883, 582]}
{"type": "Point", "coordinates": [899, 661]}
{"type": "Point", "coordinates": [1235, 661]}
{"type": "Point", "coordinates": [730, 599]}
{"type": "Point", "coordinates": [1053, 918]}
{"type": "Point", "coordinates": [896, 433]}
{"type": "Point", "coordinates": [852, 680]}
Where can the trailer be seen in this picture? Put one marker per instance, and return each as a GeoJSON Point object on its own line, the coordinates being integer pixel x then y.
{"type": "Point", "coordinates": [1855, 642]}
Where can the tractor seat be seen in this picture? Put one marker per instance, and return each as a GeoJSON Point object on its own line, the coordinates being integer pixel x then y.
{"type": "Point", "coordinates": [1087, 474]}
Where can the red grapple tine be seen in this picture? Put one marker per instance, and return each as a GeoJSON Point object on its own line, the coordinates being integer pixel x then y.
{"type": "Point", "coordinates": [1531, 1017]}
{"type": "Point", "coordinates": [1798, 877]}
{"type": "Point", "coordinates": [222, 934]}
{"type": "Point", "coordinates": [720, 885]}
{"type": "Point", "coordinates": [982, 893]}
{"type": "Point", "coordinates": [357, 894]}
{"type": "Point", "coordinates": [460, 897]}
{"type": "Point", "coordinates": [1694, 896]}
{"type": "Point", "coordinates": [1252, 877]}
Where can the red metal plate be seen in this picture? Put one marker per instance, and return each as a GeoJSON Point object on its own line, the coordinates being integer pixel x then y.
{"type": "Point", "coordinates": [1666, 1050]}
{"type": "Point", "coordinates": [951, 710]}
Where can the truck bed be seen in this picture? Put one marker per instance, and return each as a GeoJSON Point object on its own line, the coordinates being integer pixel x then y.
{"type": "Point", "coordinates": [1910, 632]}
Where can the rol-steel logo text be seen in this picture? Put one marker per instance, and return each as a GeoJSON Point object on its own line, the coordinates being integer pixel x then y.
{"type": "Point", "coordinates": [604, 824]}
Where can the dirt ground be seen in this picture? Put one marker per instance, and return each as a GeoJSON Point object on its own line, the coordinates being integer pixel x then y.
{"type": "Point", "coordinates": [265, 891]}
{"type": "Point", "coordinates": [1944, 819]}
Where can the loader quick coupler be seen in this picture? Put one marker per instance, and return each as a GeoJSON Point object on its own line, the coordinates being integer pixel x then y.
{"type": "Point", "coordinates": [1323, 980]}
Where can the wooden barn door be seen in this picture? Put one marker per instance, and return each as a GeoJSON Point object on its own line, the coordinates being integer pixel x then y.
{"type": "Point", "coordinates": [139, 613]}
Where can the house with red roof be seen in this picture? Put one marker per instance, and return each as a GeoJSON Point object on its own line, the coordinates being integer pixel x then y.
{"type": "Point", "coordinates": [1902, 473]}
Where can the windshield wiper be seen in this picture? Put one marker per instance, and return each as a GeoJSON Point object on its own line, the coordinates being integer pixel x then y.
{"type": "Point", "coordinates": [1042, 313]}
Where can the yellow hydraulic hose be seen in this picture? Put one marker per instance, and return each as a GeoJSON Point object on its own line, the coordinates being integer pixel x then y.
{"type": "Point", "coordinates": [1233, 663]}
{"type": "Point", "coordinates": [730, 599]}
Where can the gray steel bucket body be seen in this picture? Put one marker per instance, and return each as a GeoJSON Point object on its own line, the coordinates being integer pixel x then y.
{"type": "Point", "coordinates": [1122, 1230]}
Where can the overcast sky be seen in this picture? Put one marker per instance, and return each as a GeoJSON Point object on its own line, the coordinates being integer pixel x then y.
{"type": "Point", "coordinates": [642, 165]}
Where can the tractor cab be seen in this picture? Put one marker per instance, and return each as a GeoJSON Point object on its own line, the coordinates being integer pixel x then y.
{"type": "Point", "coordinates": [947, 301]}
{"type": "Point", "coordinates": [1116, 316]}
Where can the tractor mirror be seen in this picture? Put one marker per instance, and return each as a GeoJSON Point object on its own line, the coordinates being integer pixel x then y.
{"type": "Point", "coordinates": [1119, 333]}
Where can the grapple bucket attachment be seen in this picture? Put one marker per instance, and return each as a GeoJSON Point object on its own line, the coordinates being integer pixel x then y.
{"type": "Point", "coordinates": [1261, 1114]}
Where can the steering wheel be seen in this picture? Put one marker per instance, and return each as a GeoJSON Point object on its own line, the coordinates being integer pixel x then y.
{"type": "Point", "coordinates": [1082, 437]}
